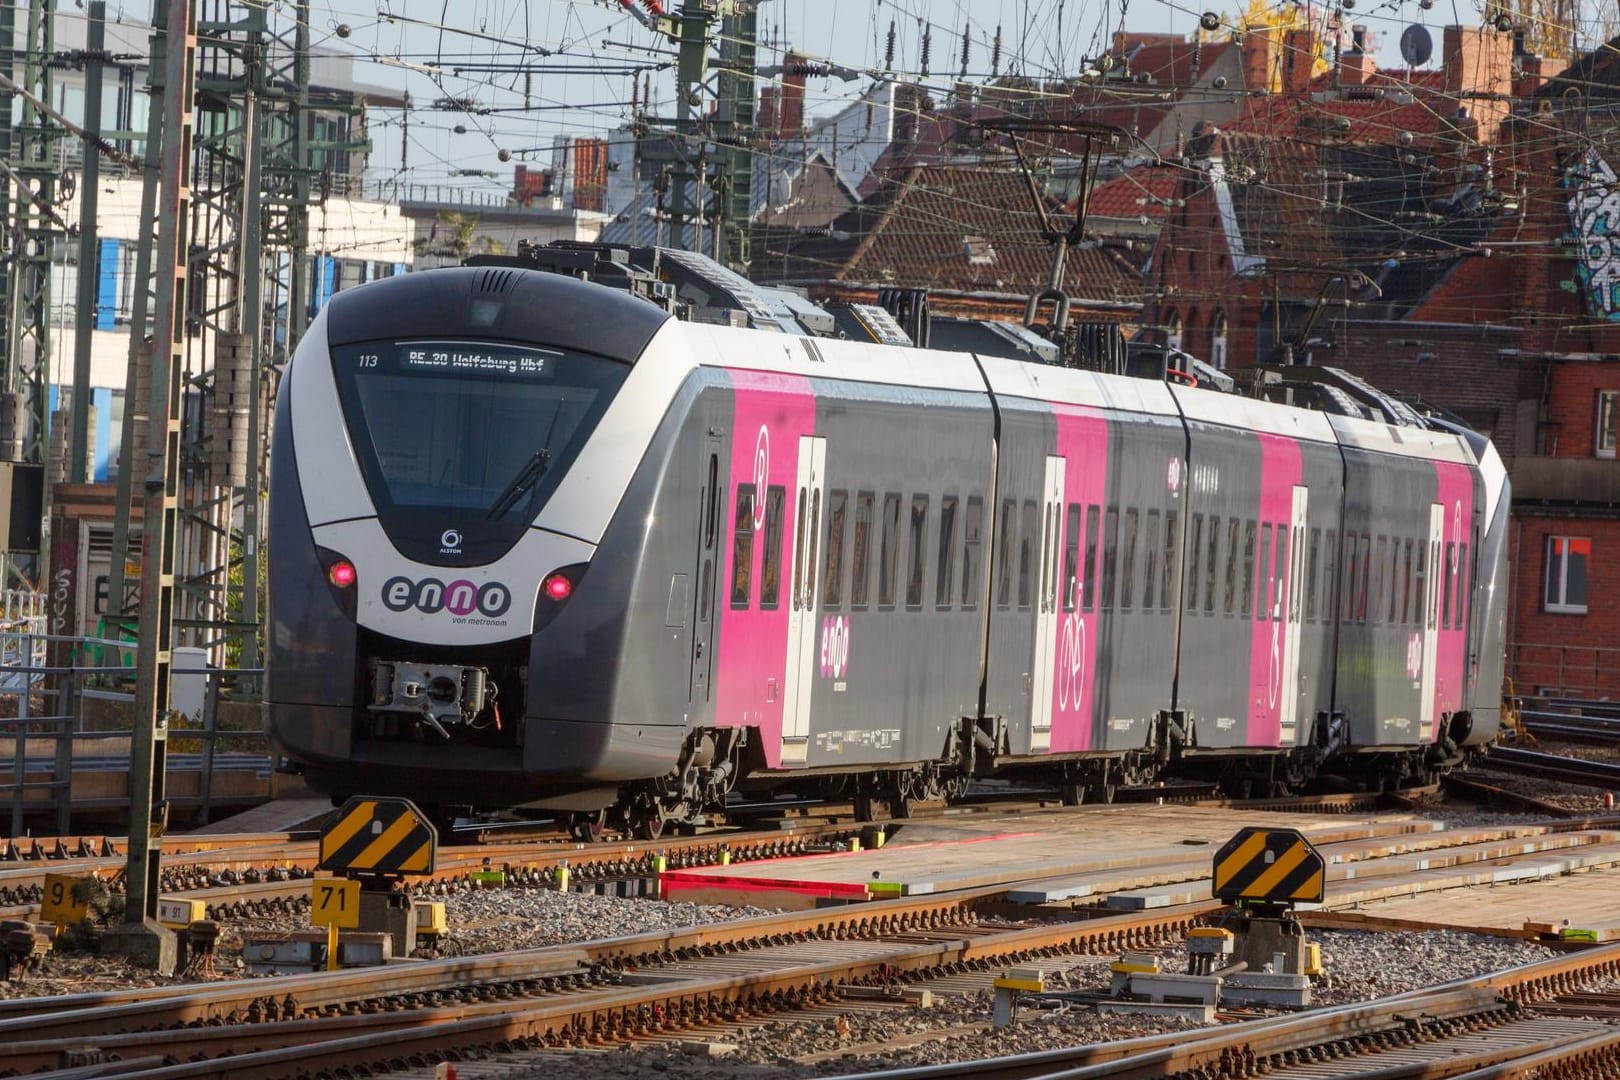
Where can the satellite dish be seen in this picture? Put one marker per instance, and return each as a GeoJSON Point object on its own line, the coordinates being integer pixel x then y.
{"type": "Point", "coordinates": [1416, 45]}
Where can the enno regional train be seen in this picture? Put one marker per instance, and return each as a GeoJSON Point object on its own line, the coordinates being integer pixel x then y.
{"type": "Point", "coordinates": [535, 542]}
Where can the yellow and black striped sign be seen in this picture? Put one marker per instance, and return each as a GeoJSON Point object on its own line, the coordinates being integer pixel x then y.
{"type": "Point", "coordinates": [1278, 865]}
{"type": "Point", "coordinates": [378, 836]}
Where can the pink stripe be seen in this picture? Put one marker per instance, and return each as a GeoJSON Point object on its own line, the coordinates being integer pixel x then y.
{"type": "Point", "coordinates": [1082, 439]}
{"type": "Point", "coordinates": [1455, 492]}
{"type": "Point", "coordinates": [1280, 470]}
{"type": "Point", "coordinates": [772, 411]}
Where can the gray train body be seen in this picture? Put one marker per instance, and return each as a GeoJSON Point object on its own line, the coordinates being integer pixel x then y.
{"type": "Point", "coordinates": [602, 558]}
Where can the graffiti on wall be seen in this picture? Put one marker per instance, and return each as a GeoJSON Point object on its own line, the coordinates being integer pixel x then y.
{"type": "Point", "coordinates": [1594, 211]}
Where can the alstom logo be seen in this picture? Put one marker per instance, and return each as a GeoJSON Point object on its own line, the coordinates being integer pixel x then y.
{"type": "Point", "coordinates": [430, 595]}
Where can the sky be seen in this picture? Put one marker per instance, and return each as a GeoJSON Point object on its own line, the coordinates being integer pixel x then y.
{"type": "Point", "coordinates": [584, 57]}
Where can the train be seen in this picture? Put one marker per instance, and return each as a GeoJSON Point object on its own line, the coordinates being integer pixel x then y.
{"type": "Point", "coordinates": [621, 539]}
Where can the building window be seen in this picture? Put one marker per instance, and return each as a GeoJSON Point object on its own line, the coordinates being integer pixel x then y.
{"type": "Point", "coordinates": [1172, 330]}
{"type": "Point", "coordinates": [1565, 583]}
{"type": "Point", "coordinates": [1607, 400]}
{"type": "Point", "coordinates": [1217, 340]}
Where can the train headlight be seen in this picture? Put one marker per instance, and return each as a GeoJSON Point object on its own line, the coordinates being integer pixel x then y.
{"type": "Point", "coordinates": [342, 574]}
{"type": "Point", "coordinates": [557, 587]}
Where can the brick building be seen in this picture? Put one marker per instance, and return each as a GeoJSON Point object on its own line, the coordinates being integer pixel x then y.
{"type": "Point", "coordinates": [1446, 235]}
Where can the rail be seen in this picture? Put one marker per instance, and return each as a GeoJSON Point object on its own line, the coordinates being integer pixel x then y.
{"type": "Point", "coordinates": [59, 716]}
{"type": "Point", "coordinates": [1589, 672]}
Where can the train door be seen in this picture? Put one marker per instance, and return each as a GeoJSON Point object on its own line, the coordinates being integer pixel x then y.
{"type": "Point", "coordinates": [1431, 588]}
{"type": "Point", "coordinates": [1293, 586]}
{"type": "Point", "coordinates": [707, 560]}
{"type": "Point", "coordinates": [802, 637]}
{"type": "Point", "coordinates": [1046, 618]}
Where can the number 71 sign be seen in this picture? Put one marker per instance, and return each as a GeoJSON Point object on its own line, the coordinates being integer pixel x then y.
{"type": "Point", "coordinates": [334, 902]}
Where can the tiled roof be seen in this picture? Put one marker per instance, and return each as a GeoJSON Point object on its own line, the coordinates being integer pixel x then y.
{"type": "Point", "coordinates": [1140, 193]}
{"type": "Point", "coordinates": [975, 230]}
{"type": "Point", "coordinates": [1176, 62]}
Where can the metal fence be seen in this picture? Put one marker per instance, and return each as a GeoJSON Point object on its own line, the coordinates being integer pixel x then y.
{"type": "Point", "coordinates": [49, 688]}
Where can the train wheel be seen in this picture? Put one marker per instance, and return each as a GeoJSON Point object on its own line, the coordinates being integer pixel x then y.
{"type": "Point", "coordinates": [864, 808]}
{"type": "Point", "coordinates": [647, 824]}
{"type": "Point", "coordinates": [588, 827]}
{"type": "Point", "coordinates": [1102, 792]}
{"type": "Point", "coordinates": [1072, 794]}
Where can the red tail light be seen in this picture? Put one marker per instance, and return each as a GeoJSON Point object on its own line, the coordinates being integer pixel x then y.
{"type": "Point", "coordinates": [557, 588]}
{"type": "Point", "coordinates": [342, 573]}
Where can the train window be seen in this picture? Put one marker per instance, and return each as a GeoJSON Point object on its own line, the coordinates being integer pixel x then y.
{"type": "Point", "coordinates": [945, 585]}
{"type": "Point", "coordinates": [860, 570]}
{"type": "Point", "coordinates": [798, 545]}
{"type": "Point", "coordinates": [1351, 563]}
{"type": "Point", "coordinates": [1110, 539]}
{"type": "Point", "coordinates": [1366, 560]}
{"type": "Point", "coordinates": [1249, 581]}
{"type": "Point", "coordinates": [1171, 520]}
{"type": "Point", "coordinates": [833, 581]}
{"type": "Point", "coordinates": [1212, 564]}
{"type": "Point", "coordinates": [1406, 583]}
{"type": "Point", "coordinates": [972, 547]}
{"type": "Point", "coordinates": [711, 514]}
{"type": "Point", "coordinates": [1279, 573]}
{"type": "Point", "coordinates": [1436, 569]}
{"type": "Point", "coordinates": [1394, 579]}
{"type": "Point", "coordinates": [1421, 585]}
{"type": "Point", "coordinates": [1127, 577]}
{"type": "Point", "coordinates": [1450, 575]}
{"type": "Point", "coordinates": [1050, 514]}
{"type": "Point", "coordinates": [1150, 548]}
{"type": "Point", "coordinates": [1195, 545]}
{"type": "Point", "coordinates": [1071, 558]}
{"type": "Point", "coordinates": [1379, 575]}
{"type": "Point", "coordinates": [742, 547]}
{"type": "Point", "coordinates": [1232, 525]}
{"type": "Point", "coordinates": [919, 534]}
{"type": "Point", "coordinates": [1330, 576]}
{"type": "Point", "coordinates": [1009, 512]}
{"type": "Point", "coordinates": [1026, 552]}
{"type": "Point", "coordinates": [889, 555]}
{"type": "Point", "coordinates": [1248, 565]}
{"type": "Point", "coordinates": [770, 577]}
{"type": "Point", "coordinates": [1310, 575]}
{"type": "Point", "coordinates": [1464, 580]}
{"type": "Point", "coordinates": [1088, 576]}
{"type": "Point", "coordinates": [1296, 550]}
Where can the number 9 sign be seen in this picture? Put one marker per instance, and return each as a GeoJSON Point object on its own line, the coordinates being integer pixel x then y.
{"type": "Point", "coordinates": [60, 904]}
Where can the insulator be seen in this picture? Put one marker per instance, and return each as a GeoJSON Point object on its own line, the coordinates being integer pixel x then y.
{"type": "Point", "coordinates": [654, 7]}
{"type": "Point", "coordinates": [927, 48]}
{"type": "Point", "coordinates": [888, 51]}
{"type": "Point", "coordinates": [965, 47]}
{"type": "Point", "coordinates": [995, 53]}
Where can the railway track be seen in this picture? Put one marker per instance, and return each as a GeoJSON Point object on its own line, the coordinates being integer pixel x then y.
{"type": "Point", "coordinates": [1554, 767]}
{"type": "Point", "coordinates": [268, 874]}
{"type": "Point", "coordinates": [1529, 1021]}
{"type": "Point", "coordinates": [1603, 730]}
{"type": "Point", "coordinates": [567, 996]}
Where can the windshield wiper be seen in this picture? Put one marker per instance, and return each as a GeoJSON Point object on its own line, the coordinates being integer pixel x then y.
{"type": "Point", "coordinates": [531, 472]}
{"type": "Point", "coordinates": [526, 478]}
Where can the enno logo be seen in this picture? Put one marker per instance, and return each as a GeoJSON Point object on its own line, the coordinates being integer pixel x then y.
{"type": "Point", "coordinates": [430, 595]}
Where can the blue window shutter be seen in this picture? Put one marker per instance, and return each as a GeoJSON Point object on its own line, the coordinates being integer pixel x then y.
{"type": "Point", "coordinates": [106, 283]}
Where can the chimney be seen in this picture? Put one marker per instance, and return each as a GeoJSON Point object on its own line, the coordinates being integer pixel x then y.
{"type": "Point", "coordinates": [1259, 59]}
{"type": "Point", "coordinates": [1534, 73]}
{"type": "Point", "coordinates": [795, 70]}
{"type": "Point", "coordinates": [1477, 60]}
{"type": "Point", "coordinates": [765, 118]}
{"type": "Point", "coordinates": [1299, 56]}
{"type": "Point", "coordinates": [1356, 66]}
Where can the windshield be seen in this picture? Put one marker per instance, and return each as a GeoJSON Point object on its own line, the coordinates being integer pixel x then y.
{"type": "Point", "coordinates": [466, 439]}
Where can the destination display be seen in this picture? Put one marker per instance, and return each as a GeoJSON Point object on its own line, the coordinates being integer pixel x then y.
{"type": "Point", "coordinates": [457, 358]}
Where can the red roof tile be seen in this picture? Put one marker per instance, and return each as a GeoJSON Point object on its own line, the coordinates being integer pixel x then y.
{"type": "Point", "coordinates": [1140, 193]}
